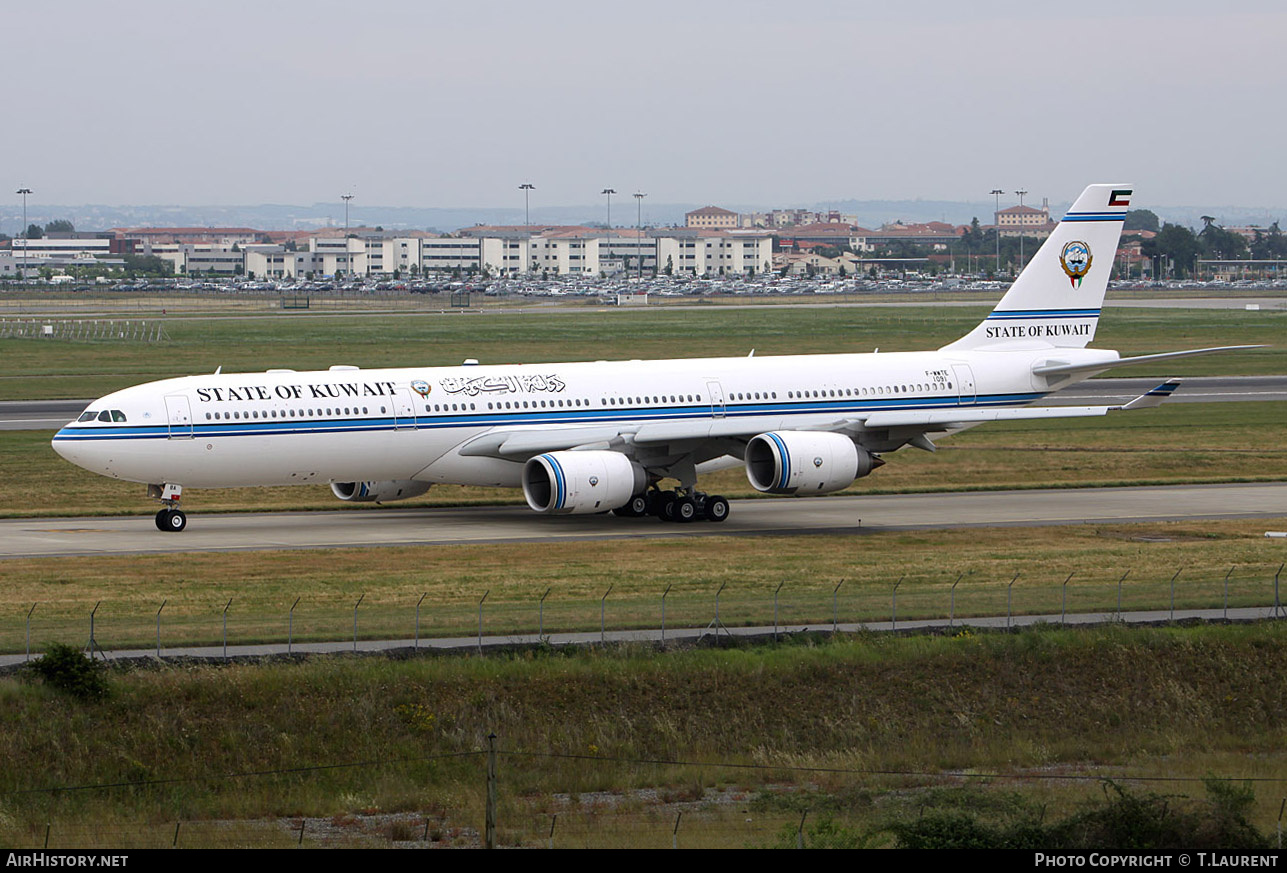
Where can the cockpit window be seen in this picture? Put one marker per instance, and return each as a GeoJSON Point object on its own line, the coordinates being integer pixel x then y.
{"type": "Point", "coordinates": [105, 416]}
{"type": "Point", "coordinates": [87, 416]}
{"type": "Point", "coordinates": [117, 415]}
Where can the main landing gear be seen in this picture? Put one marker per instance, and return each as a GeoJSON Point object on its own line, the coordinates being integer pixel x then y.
{"type": "Point", "coordinates": [170, 518]}
{"type": "Point", "coordinates": [677, 506]}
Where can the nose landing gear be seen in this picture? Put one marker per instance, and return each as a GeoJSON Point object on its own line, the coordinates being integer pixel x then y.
{"type": "Point", "coordinates": [170, 519]}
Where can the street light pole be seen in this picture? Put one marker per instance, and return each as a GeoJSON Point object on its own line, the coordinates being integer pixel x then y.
{"type": "Point", "coordinates": [346, 198]}
{"type": "Point", "coordinates": [1021, 193]}
{"type": "Point", "coordinates": [526, 188]}
{"type": "Point", "coordinates": [996, 220]}
{"type": "Point", "coordinates": [609, 192]}
{"type": "Point", "coordinates": [25, 236]}
{"type": "Point", "coordinates": [639, 196]}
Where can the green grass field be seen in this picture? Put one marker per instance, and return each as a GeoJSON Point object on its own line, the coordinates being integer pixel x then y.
{"type": "Point", "coordinates": [863, 732]}
{"type": "Point", "coordinates": [128, 591]}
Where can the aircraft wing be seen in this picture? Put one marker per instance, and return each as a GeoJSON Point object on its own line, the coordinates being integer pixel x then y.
{"type": "Point", "coordinates": [521, 444]}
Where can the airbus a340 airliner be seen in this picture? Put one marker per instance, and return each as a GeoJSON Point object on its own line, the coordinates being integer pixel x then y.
{"type": "Point", "coordinates": [593, 437]}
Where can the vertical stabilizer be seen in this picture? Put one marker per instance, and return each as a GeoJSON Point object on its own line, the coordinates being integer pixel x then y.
{"type": "Point", "coordinates": [1057, 298]}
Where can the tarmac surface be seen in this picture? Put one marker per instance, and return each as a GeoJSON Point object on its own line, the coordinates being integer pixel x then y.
{"type": "Point", "coordinates": [847, 515]}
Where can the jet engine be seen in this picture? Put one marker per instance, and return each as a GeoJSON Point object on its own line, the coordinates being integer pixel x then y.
{"type": "Point", "coordinates": [805, 462]}
{"type": "Point", "coordinates": [378, 492]}
{"type": "Point", "coordinates": [562, 483]}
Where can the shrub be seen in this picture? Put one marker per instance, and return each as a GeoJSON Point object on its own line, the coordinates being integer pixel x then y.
{"type": "Point", "coordinates": [67, 669]}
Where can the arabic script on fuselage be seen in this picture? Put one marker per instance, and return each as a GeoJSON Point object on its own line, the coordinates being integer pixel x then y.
{"type": "Point", "coordinates": [503, 385]}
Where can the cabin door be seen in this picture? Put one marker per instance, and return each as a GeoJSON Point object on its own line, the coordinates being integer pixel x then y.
{"type": "Point", "coordinates": [717, 398]}
{"type": "Point", "coordinates": [965, 384]}
{"type": "Point", "coordinates": [404, 409]}
{"type": "Point", "coordinates": [179, 413]}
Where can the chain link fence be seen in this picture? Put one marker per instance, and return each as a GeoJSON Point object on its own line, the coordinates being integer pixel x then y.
{"type": "Point", "coordinates": [357, 624]}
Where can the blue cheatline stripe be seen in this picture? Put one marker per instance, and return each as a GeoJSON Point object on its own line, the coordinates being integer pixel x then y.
{"type": "Point", "coordinates": [1004, 314]}
{"type": "Point", "coordinates": [784, 459]}
{"type": "Point", "coordinates": [560, 489]}
{"type": "Point", "coordinates": [831, 405]}
{"type": "Point", "coordinates": [1095, 216]}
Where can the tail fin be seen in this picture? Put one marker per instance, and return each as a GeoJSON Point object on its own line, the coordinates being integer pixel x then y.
{"type": "Point", "coordinates": [1057, 298]}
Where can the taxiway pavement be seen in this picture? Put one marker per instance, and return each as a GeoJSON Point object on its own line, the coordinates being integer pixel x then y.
{"type": "Point", "coordinates": [846, 515]}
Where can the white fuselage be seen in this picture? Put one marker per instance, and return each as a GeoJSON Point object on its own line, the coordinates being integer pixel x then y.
{"type": "Point", "coordinates": [284, 427]}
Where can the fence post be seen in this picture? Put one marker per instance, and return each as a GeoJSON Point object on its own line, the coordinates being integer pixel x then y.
{"type": "Point", "coordinates": [480, 620]}
{"type": "Point", "coordinates": [554, 820]}
{"type": "Point", "coordinates": [663, 616]}
{"type": "Point", "coordinates": [1276, 575]}
{"type": "Point", "coordinates": [355, 609]}
{"type": "Point", "coordinates": [1226, 593]}
{"type": "Point", "coordinates": [418, 602]}
{"type": "Point", "coordinates": [158, 633]}
{"type": "Point", "coordinates": [225, 628]}
{"type": "Point", "coordinates": [37, 603]}
{"type": "Point", "coordinates": [893, 616]}
{"type": "Point", "coordinates": [674, 834]}
{"type": "Point", "coordinates": [93, 643]}
{"type": "Point", "coordinates": [290, 627]}
{"type": "Point", "coordinates": [799, 832]}
{"type": "Point", "coordinates": [489, 824]}
{"type": "Point", "coordinates": [1063, 617]}
{"type": "Point", "coordinates": [717, 624]}
{"type": "Point", "coordinates": [174, 844]}
{"type": "Point", "coordinates": [951, 609]}
{"type": "Point", "coordinates": [602, 610]}
{"type": "Point", "coordinates": [1119, 594]}
{"type": "Point", "coordinates": [1173, 578]}
{"type": "Point", "coordinates": [775, 609]}
{"type": "Point", "coordinates": [1008, 598]}
{"type": "Point", "coordinates": [540, 623]}
{"type": "Point", "coordinates": [1281, 807]}
{"type": "Point", "coordinates": [835, 607]}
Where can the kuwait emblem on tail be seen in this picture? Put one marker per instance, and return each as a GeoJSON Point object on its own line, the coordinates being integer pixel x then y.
{"type": "Point", "coordinates": [1075, 259]}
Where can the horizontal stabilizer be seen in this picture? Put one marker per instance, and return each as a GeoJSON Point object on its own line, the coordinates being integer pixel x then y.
{"type": "Point", "coordinates": [1062, 369]}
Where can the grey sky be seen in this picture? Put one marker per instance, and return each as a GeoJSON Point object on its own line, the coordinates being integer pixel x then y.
{"type": "Point", "coordinates": [786, 103]}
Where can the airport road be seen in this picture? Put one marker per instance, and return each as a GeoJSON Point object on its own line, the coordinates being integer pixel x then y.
{"type": "Point", "coordinates": [53, 414]}
{"type": "Point", "coordinates": [848, 515]}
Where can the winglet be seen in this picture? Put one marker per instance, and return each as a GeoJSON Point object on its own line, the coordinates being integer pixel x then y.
{"type": "Point", "coordinates": [1154, 397]}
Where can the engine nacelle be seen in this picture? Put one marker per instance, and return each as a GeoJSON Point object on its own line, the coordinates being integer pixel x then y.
{"type": "Point", "coordinates": [804, 462]}
{"type": "Point", "coordinates": [563, 483]}
{"type": "Point", "coordinates": [378, 492]}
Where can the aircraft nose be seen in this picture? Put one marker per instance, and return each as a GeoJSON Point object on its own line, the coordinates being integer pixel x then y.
{"type": "Point", "coordinates": [76, 451]}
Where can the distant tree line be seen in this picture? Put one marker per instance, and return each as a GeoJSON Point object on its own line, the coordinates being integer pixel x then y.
{"type": "Point", "coordinates": [1182, 248]}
